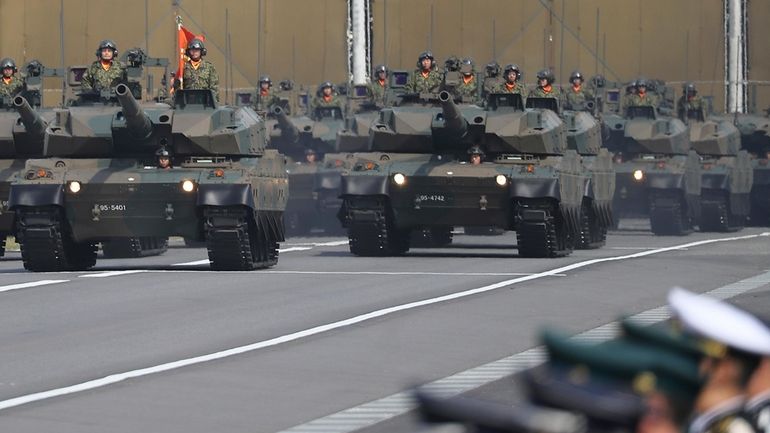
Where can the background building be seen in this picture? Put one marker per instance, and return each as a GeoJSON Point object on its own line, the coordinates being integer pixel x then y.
{"type": "Point", "coordinates": [305, 39]}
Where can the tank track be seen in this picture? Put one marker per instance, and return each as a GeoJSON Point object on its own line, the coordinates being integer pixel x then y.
{"type": "Point", "coordinates": [431, 237]}
{"type": "Point", "coordinates": [237, 240]}
{"type": "Point", "coordinates": [542, 232]}
{"type": "Point", "coordinates": [716, 215]}
{"type": "Point", "coordinates": [377, 237]}
{"type": "Point", "coordinates": [593, 232]}
{"type": "Point", "coordinates": [134, 247]}
{"type": "Point", "coordinates": [3, 240]}
{"type": "Point", "coordinates": [668, 214]}
{"type": "Point", "coordinates": [46, 245]}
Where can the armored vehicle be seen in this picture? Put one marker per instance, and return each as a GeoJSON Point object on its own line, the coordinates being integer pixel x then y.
{"type": "Point", "coordinates": [755, 139]}
{"type": "Point", "coordinates": [296, 136]}
{"type": "Point", "coordinates": [727, 172]}
{"type": "Point", "coordinates": [101, 180]}
{"type": "Point", "coordinates": [22, 128]}
{"type": "Point", "coordinates": [657, 172]}
{"type": "Point", "coordinates": [532, 184]}
{"type": "Point", "coordinates": [584, 136]}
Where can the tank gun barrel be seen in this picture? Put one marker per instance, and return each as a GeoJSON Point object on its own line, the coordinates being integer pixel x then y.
{"type": "Point", "coordinates": [136, 119]}
{"type": "Point", "coordinates": [453, 119]}
{"type": "Point", "coordinates": [32, 121]}
{"type": "Point", "coordinates": [288, 130]}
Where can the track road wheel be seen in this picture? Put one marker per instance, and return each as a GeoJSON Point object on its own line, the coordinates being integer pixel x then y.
{"type": "Point", "coordinates": [235, 242]}
{"type": "Point", "coordinates": [542, 232]}
{"type": "Point", "coordinates": [46, 244]}
{"type": "Point", "coordinates": [593, 234]}
{"type": "Point", "coordinates": [668, 214]}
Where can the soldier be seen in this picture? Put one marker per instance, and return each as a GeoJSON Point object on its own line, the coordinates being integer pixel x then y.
{"type": "Point", "coordinates": [468, 87]}
{"type": "Point", "coordinates": [628, 97]}
{"type": "Point", "coordinates": [265, 97]}
{"type": "Point", "coordinates": [643, 98]}
{"type": "Point", "coordinates": [424, 79]}
{"type": "Point", "coordinates": [378, 88]}
{"type": "Point", "coordinates": [326, 97]}
{"type": "Point", "coordinates": [577, 97]}
{"type": "Point", "coordinates": [492, 78]}
{"type": "Point", "coordinates": [105, 73]}
{"type": "Point", "coordinates": [758, 397]}
{"type": "Point", "coordinates": [164, 158]}
{"type": "Point", "coordinates": [310, 156]}
{"type": "Point", "coordinates": [690, 102]}
{"type": "Point", "coordinates": [476, 155]}
{"type": "Point", "coordinates": [737, 342]}
{"type": "Point", "coordinates": [11, 84]}
{"type": "Point", "coordinates": [511, 74]}
{"type": "Point", "coordinates": [545, 87]}
{"type": "Point", "coordinates": [199, 73]}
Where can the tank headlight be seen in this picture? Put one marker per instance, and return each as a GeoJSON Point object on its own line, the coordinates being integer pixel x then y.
{"type": "Point", "coordinates": [75, 187]}
{"type": "Point", "coordinates": [501, 179]}
{"type": "Point", "coordinates": [638, 175]}
{"type": "Point", "coordinates": [188, 186]}
{"type": "Point", "coordinates": [399, 178]}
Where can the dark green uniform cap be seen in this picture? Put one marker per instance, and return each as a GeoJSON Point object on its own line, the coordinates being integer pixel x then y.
{"type": "Point", "coordinates": [665, 337]}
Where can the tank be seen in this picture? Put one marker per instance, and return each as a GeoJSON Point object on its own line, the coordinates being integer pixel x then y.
{"type": "Point", "coordinates": [100, 181]}
{"type": "Point", "coordinates": [727, 174]}
{"type": "Point", "coordinates": [584, 136]}
{"type": "Point", "coordinates": [658, 175]}
{"type": "Point", "coordinates": [755, 139]}
{"type": "Point", "coordinates": [294, 136]}
{"type": "Point", "coordinates": [422, 181]}
{"type": "Point", "coordinates": [22, 128]}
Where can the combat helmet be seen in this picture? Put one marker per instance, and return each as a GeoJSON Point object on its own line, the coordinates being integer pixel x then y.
{"type": "Point", "coordinates": [512, 67]}
{"type": "Point", "coordinates": [8, 62]}
{"type": "Point", "coordinates": [689, 88]}
{"type": "Point", "coordinates": [547, 75]}
{"type": "Point", "coordinates": [196, 44]}
{"type": "Point", "coordinates": [107, 43]}
{"type": "Point", "coordinates": [475, 150]}
{"type": "Point", "coordinates": [492, 69]}
{"type": "Point", "coordinates": [467, 66]}
{"type": "Point", "coordinates": [266, 79]}
{"type": "Point", "coordinates": [426, 55]}
{"type": "Point", "coordinates": [575, 75]}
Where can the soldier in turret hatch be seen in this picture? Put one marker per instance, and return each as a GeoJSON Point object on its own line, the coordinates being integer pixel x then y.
{"type": "Point", "coordinates": [424, 79]}
{"type": "Point", "coordinates": [476, 155]}
{"type": "Point", "coordinates": [11, 84]}
{"type": "Point", "coordinates": [310, 156]}
{"type": "Point", "coordinates": [468, 87]}
{"type": "Point", "coordinates": [690, 101]}
{"type": "Point", "coordinates": [265, 96]}
{"type": "Point", "coordinates": [199, 73]}
{"type": "Point", "coordinates": [511, 74]}
{"type": "Point", "coordinates": [164, 158]}
{"type": "Point", "coordinates": [105, 73]}
{"type": "Point", "coordinates": [577, 96]}
{"type": "Point", "coordinates": [378, 88]}
{"type": "Point", "coordinates": [545, 87]}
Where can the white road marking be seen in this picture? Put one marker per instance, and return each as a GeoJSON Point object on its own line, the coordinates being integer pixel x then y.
{"type": "Point", "coordinates": [320, 244]}
{"type": "Point", "coordinates": [459, 274]}
{"type": "Point", "coordinates": [290, 249]}
{"type": "Point", "coordinates": [113, 273]}
{"type": "Point", "coordinates": [30, 284]}
{"type": "Point", "coordinates": [402, 402]}
{"type": "Point", "coordinates": [206, 261]}
{"type": "Point", "coordinates": [119, 377]}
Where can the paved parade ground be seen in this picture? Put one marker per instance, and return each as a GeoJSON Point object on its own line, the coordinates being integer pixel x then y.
{"type": "Point", "coordinates": [164, 344]}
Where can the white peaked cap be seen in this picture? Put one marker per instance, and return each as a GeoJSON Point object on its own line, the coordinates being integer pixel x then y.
{"type": "Point", "coordinates": [719, 321]}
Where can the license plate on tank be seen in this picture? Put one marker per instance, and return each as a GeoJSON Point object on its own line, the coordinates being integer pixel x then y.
{"type": "Point", "coordinates": [434, 199]}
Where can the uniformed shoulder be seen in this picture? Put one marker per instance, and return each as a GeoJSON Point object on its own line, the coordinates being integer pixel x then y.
{"type": "Point", "coordinates": [118, 64]}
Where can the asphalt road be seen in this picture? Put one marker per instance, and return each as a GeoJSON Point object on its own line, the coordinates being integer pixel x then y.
{"type": "Point", "coordinates": [137, 345]}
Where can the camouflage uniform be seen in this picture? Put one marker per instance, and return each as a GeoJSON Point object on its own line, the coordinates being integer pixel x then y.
{"type": "Point", "coordinates": [576, 99]}
{"type": "Point", "coordinates": [539, 92]}
{"type": "Point", "coordinates": [264, 102]}
{"type": "Point", "coordinates": [418, 83]}
{"type": "Point", "coordinates": [517, 88]}
{"type": "Point", "coordinates": [14, 86]}
{"type": "Point", "coordinates": [97, 78]}
{"type": "Point", "coordinates": [378, 92]}
{"type": "Point", "coordinates": [319, 101]}
{"type": "Point", "coordinates": [646, 100]}
{"type": "Point", "coordinates": [205, 77]}
{"type": "Point", "coordinates": [686, 104]}
{"type": "Point", "coordinates": [469, 90]}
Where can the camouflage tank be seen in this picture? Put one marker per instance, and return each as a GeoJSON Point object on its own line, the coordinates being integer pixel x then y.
{"type": "Point", "coordinates": [727, 174]}
{"type": "Point", "coordinates": [22, 129]}
{"type": "Point", "coordinates": [293, 136]}
{"type": "Point", "coordinates": [100, 180]}
{"type": "Point", "coordinates": [584, 136]}
{"type": "Point", "coordinates": [755, 139]}
{"type": "Point", "coordinates": [532, 185]}
{"type": "Point", "coordinates": [657, 174]}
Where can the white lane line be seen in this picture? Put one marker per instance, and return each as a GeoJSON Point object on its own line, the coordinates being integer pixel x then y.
{"type": "Point", "coordinates": [320, 244]}
{"type": "Point", "coordinates": [206, 261]}
{"type": "Point", "coordinates": [400, 403]}
{"type": "Point", "coordinates": [459, 274]}
{"type": "Point", "coordinates": [119, 377]}
{"type": "Point", "coordinates": [30, 284]}
{"type": "Point", "coordinates": [112, 273]}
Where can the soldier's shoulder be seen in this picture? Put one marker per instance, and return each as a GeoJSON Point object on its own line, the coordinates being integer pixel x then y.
{"type": "Point", "coordinates": [118, 64]}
